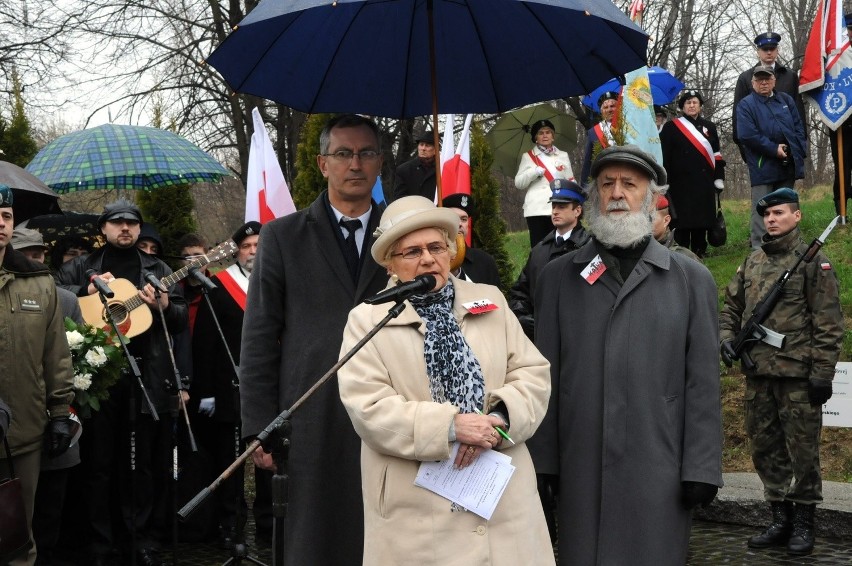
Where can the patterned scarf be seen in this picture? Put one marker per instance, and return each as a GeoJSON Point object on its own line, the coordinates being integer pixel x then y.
{"type": "Point", "coordinates": [546, 150]}
{"type": "Point", "coordinates": [455, 375]}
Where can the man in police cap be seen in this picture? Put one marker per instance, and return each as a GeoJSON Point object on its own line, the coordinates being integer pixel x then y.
{"type": "Point", "coordinates": [417, 176]}
{"type": "Point", "coordinates": [217, 386]}
{"type": "Point", "coordinates": [478, 265]}
{"type": "Point", "coordinates": [631, 441]}
{"type": "Point", "coordinates": [566, 203]}
{"type": "Point", "coordinates": [790, 382]}
{"type": "Point", "coordinates": [787, 80]}
{"type": "Point", "coordinates": [600, 135]}
{"type": "Point", "coordinates": [36, 377]}
{"type": "Point", "coordinates": [538, 168]}
{"type": "Point", "coordinates": [108, 432]}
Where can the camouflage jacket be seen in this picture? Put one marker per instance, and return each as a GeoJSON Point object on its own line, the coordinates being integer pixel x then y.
{"type": "Point", "coordinates": [668, 240]}
{"type": "Point", "coordinates": [808, 314]}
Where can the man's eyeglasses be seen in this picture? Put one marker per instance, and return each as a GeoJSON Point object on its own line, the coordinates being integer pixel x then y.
{"type": "Point", "coordinates": [346, 155]}
{"type": "Point", "coordinates": [415, 253]}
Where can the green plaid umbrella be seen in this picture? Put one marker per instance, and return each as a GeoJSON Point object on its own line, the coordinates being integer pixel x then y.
{"type": "Point", "coordinates": [116, 156]}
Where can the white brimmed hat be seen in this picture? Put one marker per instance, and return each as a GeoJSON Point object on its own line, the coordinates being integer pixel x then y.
{"type": "Point", "coordinates": [406, 215]}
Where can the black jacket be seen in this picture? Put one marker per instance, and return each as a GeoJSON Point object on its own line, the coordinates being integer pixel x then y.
{"type": "Point", "coordinates": [157, 370]}
{"type": "Point", "coordinates": [478, 266]}
{"type": "Point", "coordinates": [522, 293]}
{"type": "Point", "coordinates": [414, 178]}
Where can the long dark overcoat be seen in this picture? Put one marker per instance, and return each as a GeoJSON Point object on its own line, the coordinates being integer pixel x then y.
{"type": "Point", "coordinates": [691, 177]}
{"type": "Point", "coordinates": [634, 409]}
{"type": "Point", "coordinates": [300, 294]}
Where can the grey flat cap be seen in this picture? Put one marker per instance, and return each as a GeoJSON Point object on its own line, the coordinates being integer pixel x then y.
{"type": "Point", "coordinates": [630, 155]}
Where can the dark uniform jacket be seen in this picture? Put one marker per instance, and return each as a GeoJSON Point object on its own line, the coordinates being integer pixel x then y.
{"type": "Point", "coordinates": [478, 266]}
{"type": "Point", "coordinates": [157, 370]}
{"type": "Point", "coordinates": [764, 122]}
{"type": "Point", "coordinates": [522, 293]}
{"type": "Point", "coordinates": [786, 81]}
{"type": "Point", "coordinates": [808, 313]}
{"type": "Point", "coordinates": [691, 177]}
{"type": "Point", "coordinates": [414, 178]}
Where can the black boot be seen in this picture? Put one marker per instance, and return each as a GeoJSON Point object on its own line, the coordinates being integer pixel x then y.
{"type": "Point", "coordinates": [778, 532]}
{"type": "Point", "coordinates": [802, 541]}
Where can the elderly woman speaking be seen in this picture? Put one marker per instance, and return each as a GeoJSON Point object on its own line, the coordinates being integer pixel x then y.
{"type": "Point", "coordinates": [419, 387]}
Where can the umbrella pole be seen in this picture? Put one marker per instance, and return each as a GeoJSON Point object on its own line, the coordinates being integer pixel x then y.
{"type": "Point", "coordinates": [433, 72]}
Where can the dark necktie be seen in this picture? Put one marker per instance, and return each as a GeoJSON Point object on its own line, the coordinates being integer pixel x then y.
{"type": "Point", "coordinates": [560, 241]}
{"type": "Point", "coordinates": [350, 246]}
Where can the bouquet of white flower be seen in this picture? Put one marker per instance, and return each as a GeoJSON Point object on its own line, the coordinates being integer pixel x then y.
{"type": "Point", "coordinates": [97, 360]}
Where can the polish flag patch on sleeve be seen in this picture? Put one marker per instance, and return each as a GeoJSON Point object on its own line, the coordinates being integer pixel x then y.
{"type": "Point", "coordinates": [825, 266]}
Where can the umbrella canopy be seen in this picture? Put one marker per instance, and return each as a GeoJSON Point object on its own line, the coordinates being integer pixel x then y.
{"type": "Point", "coordinates": [116, 156]}
{"type": "Point", "coordinates": [664, 88]}
{"type": "Point", "coordinates": [384, 57]}
{"type": "Point", "coordinates": [31, 196]}
{"type": "Point", "coordinates": [510, 136]}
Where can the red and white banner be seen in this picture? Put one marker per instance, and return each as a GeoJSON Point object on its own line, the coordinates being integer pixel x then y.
{"type": "Point", "coordinates": [267, 194]}
{"type": "Point", "coordinates": [637, 7]}
{"type": "Point", "coordinates": [455, 166]}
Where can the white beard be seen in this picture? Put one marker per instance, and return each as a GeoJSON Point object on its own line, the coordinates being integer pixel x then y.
{"type": "Point", "coordinates": [247, 266]}
{"type": "Point", "coordinates": [621, 231]}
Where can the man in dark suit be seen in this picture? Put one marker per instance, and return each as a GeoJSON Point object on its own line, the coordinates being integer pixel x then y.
{"type": "Point", "coordinates": [478, 265]}
{"type": "Point", "coordinates": [417, 176]}
{"type": "Point", "coordinates": [311, 268]}
{"type": "Point", "coordinates": [786, 80]}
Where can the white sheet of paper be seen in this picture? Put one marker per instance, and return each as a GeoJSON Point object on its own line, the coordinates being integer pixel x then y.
{"type": "Point", "coordinates": [478, 487]}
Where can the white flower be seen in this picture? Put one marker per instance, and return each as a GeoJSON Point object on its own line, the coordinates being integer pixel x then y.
{"type": "Point", "coordinates": [96, 357]}
{"type": "Point", "coordinates": [82, 381]}
{"type": "Point", "coordinates": [75, 339]}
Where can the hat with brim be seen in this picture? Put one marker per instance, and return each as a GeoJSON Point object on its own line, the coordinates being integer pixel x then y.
{"type": "Point", "coordinates": [763, 70]}
{"type": "Point", "coordinates": [566, 190]}
{"type": "Point", "coordinates": [407, 215]}
{"type": "Point", "coordinates": [120, 210]}
{"type": "Point", "coordinates": [630, 155]}
{"type": "Point", "coordinates": [23, 238]}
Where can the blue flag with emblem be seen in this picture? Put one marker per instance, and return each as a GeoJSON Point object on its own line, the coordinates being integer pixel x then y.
{"type": "Point", "coordinates": [639, 125]}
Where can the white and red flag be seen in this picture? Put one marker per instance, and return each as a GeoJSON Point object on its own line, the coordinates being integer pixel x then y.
{"type": "Point", "coordinates": [826, 75]}
{"type": "Point", "coordinates": [455, 165]}
{"type": "Point", "coordinates": [637, 7]}
{"type": "Point", "coordinates": [267, 194]}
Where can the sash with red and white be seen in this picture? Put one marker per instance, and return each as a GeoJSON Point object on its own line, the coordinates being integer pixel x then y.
{"type": "Point", "coordinates": [697, 139]}
{"type": "Point", "coordinates": [235, 283]}
{"type": "Point", "coordinates": [539, 163]}
{"type": "Point", "coordinates": [604, 135]}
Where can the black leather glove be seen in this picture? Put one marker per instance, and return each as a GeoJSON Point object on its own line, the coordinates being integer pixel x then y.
{"type": "Point", "coordinates": [695, 493]}
{"type": "Point", "coordinates": [727, 352]}
{"type": "Point", "coordinates": [819, 391]}
{"type": "Point", "coordinates": [59, 434]}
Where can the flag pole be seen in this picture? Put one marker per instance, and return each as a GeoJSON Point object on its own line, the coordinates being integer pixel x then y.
{"type": "Point", "coordinates": [841, 176]}
{"type": "Point", "coordinates": [433, 71]}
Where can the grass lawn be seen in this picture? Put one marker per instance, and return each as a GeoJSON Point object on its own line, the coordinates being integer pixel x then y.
{"type": "Point", "coordinates": [818, 210]}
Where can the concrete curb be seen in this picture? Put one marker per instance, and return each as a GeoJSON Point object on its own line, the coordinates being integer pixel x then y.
{"type": "Point", "coordinates": [741, 502]}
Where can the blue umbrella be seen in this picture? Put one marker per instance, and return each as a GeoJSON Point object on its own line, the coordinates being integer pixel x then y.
{"type": "Point", "coordinates": [406, 58]}
{"type": "Point", "coordinates": [664, 88]}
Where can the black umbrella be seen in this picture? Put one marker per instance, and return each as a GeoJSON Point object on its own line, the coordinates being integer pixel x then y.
{"type": "Point", "coordinates": [53, 227]}
{"type": "Point", "coordinates": [32, 197]}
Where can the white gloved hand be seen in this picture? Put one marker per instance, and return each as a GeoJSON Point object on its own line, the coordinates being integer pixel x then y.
{"type": "Point", "coordinates": [720, 184]}
{"type": "Point", "coordinates": [207, 406]}
{"type": "Point", "coordinates": [540, 171]}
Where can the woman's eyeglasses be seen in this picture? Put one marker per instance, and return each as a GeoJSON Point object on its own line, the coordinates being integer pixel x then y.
{"type": "Point", "coordinates": [415, 253]}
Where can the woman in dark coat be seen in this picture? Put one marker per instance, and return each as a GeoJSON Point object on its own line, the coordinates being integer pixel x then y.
{"type": "Point", "coordinates": [696, 172]}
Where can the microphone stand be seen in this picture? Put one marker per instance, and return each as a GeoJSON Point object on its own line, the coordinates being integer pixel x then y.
{"type": "Point", "coordinates": [175, 408]}
{"type": "Point", "coordinates": [239, 551]}
{"type": "Point", "coordinates": [131, 420]}
{"type": "Point", "coordinates": [280, 428]}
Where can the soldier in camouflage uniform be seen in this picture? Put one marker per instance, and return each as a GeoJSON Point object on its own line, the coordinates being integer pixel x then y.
{"type": "Point", "coordinates": [787, 387]}
{"type": "Point", "coordinates": [663, 234]}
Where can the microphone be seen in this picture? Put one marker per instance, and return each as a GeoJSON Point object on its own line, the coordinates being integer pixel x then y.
{"type": "Point", "coordinates": [100, 284]}
{"type": "Point", "coordinates": [420, 284]}
{"type": "Point", "coordinates": [205, 281]}
{"type": "Point", "coordinates": [152, 279]}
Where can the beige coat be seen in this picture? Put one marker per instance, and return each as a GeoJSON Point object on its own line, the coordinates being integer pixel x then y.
{"type": "Point", "coordinates": [385, 390]}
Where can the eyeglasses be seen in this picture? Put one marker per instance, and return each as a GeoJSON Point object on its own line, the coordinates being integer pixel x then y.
{"type": "Point", "coordinates": [346, 155]}
{"type": "Point", "coordinates": [762, 80]}
{"type": "Point", "coordinates": [415, 253]}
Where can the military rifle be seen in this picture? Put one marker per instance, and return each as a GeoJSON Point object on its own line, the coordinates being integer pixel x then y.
{"type": "Point", "coordinates": [753, 330]}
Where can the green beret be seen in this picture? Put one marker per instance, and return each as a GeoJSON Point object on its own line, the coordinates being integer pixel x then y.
{"type": "Point", "coordinates": [776, 197]}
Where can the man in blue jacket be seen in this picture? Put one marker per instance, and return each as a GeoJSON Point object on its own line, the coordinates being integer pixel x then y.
{"type": "Point", "coordinates": [772, 135]}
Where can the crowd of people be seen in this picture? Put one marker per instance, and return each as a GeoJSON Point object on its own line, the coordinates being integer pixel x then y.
{"type": "Point", "coordinates": [614, 436]}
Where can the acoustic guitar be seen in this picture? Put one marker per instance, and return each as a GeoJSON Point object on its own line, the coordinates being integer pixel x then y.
{"type": "Point", "coordinates": [125, 305]}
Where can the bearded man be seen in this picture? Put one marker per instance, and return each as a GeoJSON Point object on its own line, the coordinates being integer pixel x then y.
{"type": "Point", "coordinates": [633, 434]}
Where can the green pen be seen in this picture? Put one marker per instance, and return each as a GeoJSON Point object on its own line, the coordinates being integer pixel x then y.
{"type": "Point", "coordinates": [498, 429]}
